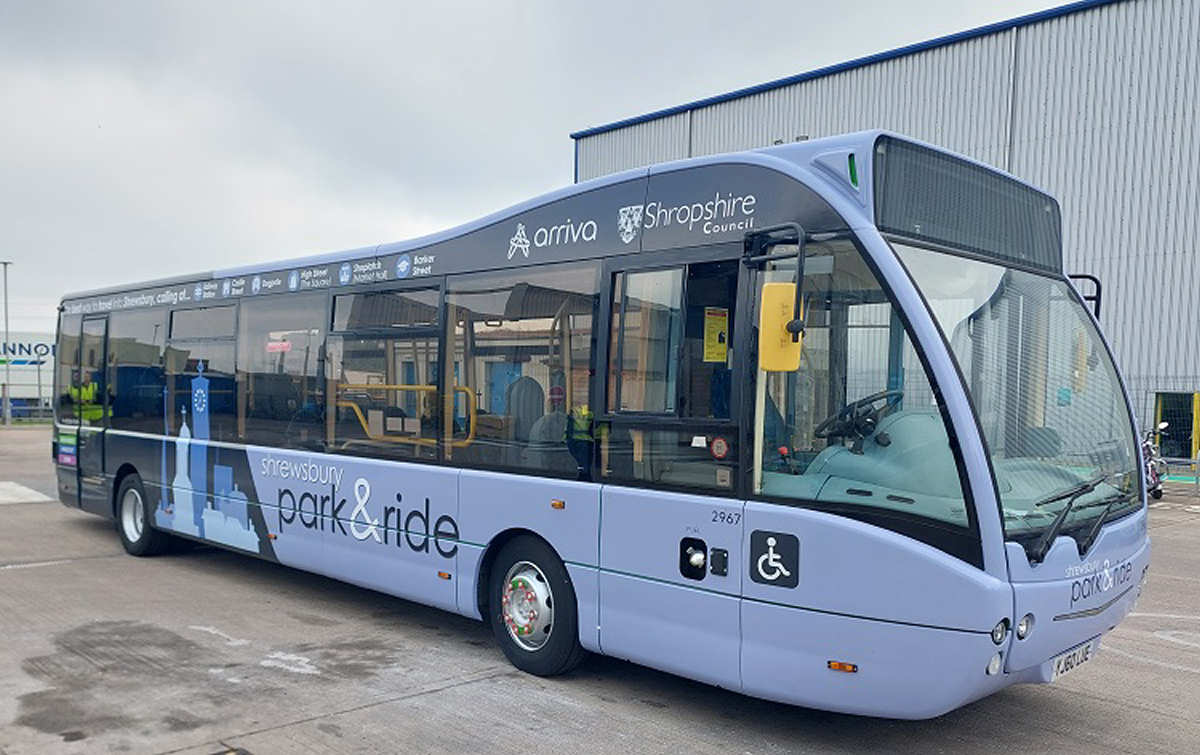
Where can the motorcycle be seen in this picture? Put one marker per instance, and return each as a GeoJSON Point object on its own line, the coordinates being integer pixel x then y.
{"type": "Point", "coordinates": [1155, 465]}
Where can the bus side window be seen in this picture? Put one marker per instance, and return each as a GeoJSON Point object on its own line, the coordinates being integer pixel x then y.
{"type": "Point", "coordinates": [382, 369]}
{"type": "Point", "coordinates": [201, 383]}
{"type": "Point", "coordinates": [135, 373]}
{"type": "Point", "coordinates": [520, 369]}
{"type": "Point", "coordinates": [281, 398]}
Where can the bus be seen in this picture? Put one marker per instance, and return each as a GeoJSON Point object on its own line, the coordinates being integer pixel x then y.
{"type": "Point", "coordinates": [823, 423]}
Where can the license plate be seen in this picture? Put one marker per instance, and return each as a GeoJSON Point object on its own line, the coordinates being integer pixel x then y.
{"type": "Point", "coordinates": [1073, 659]}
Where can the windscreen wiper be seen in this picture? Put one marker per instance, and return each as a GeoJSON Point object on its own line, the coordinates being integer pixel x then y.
{"type": "Point", "coordinates": [1095, 530]}
{"type": "Point", "coordinates": [1071, 495]}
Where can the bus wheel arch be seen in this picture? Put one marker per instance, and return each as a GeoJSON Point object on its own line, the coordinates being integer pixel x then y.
{"type": "Point", "coordinates": [134, 518]}
{"type": "Point", "coordinates": [522, 563]}
{"type": "Point", "coordinates": [124, 471]}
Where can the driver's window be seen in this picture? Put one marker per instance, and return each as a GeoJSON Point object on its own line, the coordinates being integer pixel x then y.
{"type": "Point", "coordinates": [856, 429]}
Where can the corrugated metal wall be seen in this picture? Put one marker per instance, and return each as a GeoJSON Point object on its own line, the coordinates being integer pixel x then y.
{"type": "Point", "coordinates": [1098, 107]}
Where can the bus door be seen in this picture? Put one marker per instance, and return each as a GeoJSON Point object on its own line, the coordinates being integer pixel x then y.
{"type": "Point", "coordinates": [91, 406]}
{"type": "Point", "coordinates": [671, 523]}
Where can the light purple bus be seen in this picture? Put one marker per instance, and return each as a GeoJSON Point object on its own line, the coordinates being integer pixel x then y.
{"type": "Point", "coordinates": [823, 423]}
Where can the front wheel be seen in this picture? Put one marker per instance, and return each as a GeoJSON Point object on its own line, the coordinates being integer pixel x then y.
{"type": "Point", "coordinates": [133, 520]}
{"type": "Point", "coordinates": [532, 609]}
{"type": "Point", "coordinates": [1156, 493]}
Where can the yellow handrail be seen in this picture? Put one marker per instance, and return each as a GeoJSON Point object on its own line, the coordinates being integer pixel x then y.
{"type": "Point", "coordinates": [471, 415]}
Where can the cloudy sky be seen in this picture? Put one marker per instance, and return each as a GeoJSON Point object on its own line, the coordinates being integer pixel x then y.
{"type": "Point", "coordinates": [147, 139]}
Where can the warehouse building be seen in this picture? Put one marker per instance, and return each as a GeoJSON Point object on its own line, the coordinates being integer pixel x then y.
{"type": "Point", "coordinates": [27, 360]}
{"type": "Point", "coordinates": [1095, 102]}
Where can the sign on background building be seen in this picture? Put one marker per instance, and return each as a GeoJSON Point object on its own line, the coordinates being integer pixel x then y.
{"type": "Point", "coordinates": [28, 360]}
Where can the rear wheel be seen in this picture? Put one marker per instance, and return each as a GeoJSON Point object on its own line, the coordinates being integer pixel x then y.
{"type": "Point", "coordinates": [133, 520]}
{"type": "Point", "coordinates": [532, 608]}
{"type": "Point", "coordinates": [1156, 493]}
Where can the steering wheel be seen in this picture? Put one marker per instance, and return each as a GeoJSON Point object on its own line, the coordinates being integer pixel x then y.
{"type": "Point", "coordinates": [857, 419]}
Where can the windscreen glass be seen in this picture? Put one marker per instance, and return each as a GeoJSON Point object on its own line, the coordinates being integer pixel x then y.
{"type": "Point", "coordinates": [1044, 388]}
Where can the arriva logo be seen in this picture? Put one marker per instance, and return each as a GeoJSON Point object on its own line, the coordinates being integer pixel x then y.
{"type": "Point", "coordinates": [566, 232]}
{"type": "Point", "coordinates": [519, 242]}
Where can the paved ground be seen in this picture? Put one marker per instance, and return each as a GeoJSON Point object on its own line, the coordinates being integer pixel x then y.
{"type": "Point", "coordinates": [204, 651]}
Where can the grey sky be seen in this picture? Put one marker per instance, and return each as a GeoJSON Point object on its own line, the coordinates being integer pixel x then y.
{"type": "Point", "coordinates": [142, 140]}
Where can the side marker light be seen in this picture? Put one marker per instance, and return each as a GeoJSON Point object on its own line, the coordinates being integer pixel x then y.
{"type": "Point", "coordinates": [849, 668]}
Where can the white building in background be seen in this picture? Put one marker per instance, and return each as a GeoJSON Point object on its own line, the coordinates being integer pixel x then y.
{"type": "Point", "coordinates": [1095, 102]}
{"type": "Point", "coordinates": [29, 358]}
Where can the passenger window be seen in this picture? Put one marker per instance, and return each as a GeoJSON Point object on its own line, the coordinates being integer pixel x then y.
{"type": "Point", "coordinates": [383, 374]}
{"type": "Point", "coordinates": [856, 429]}
{"type": "Point", "coordinates": [671, 355]}
{"type": "Point", "coordinates": [207, 322]}
{"type": "Point", "coordinates": [201, 382]}
{"type": "Point", "coordinates": [135, 370]}
{"type": "Point", "coordinates": [521, 369]}
{"type": "Point", "coordinates": [281, 396]}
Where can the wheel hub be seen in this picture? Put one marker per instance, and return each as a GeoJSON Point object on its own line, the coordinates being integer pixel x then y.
{"type": "Point", "coordinates": [131, 515]}
{"type": "Point", "coordinates": [527, 606]}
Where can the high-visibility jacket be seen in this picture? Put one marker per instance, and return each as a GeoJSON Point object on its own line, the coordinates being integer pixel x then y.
{"type": "Point", "coordinates": [579, 426]}
{"type": "Point", "coordinates": [89, 407]}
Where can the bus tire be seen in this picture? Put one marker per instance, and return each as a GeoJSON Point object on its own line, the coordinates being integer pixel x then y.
{"type": "Point", "coordinates": [532, 608]}
{"type": "Point", "coordinates": [133, 520]}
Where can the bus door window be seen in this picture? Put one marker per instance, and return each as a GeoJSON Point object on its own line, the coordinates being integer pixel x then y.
{"type": "Point", "coordinates": [856, 429]}
{"type": "Point", "coordinates": [521, 369]}
{"type": "Point", "coordinates": [670, 381]}
{"type": "Point", "coordinates": [382, 372]}
{"type": "Point", "coordinates": [90, 393]}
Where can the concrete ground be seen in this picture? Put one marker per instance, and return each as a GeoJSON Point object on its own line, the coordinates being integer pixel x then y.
{"type": "Point", "coordinates": [204, 651]}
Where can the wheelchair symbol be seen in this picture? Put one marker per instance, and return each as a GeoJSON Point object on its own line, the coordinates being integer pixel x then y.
{"type": "Point", "coordinates": [772, 559]}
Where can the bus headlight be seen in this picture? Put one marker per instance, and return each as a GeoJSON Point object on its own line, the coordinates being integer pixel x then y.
{"type": "Point", "coordinates": [993, 666]}
{"type": "Point", "coordinates": [1024, 626]}
{"type": "Point", "coordinates": [1000, 631]}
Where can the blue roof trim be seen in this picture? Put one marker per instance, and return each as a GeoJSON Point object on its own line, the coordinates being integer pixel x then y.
{"type": "Point", "coordinates": [899, 52]}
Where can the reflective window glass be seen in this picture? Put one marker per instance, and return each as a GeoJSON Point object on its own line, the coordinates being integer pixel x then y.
{"type": "Point", "coordinates": [66, 355]}
{"type": "Point", "coordinates": [282, 396]}
{"type": "Point", "coordinates": [521, 368]}
{"type": "Point", "coordinates": [208, 322]}
{"type": "Point", "coordinates": [856, 429]}
{"type": "Point", "coordinates": [135, 370]}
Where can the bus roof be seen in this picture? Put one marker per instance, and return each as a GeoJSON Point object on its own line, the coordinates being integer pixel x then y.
{"type": "Point", "coordinates": [800, 161]}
